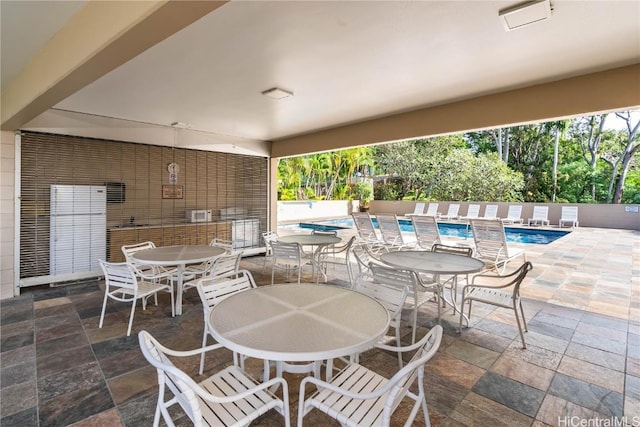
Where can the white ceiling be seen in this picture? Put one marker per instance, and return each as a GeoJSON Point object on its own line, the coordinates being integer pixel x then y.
{"type": "Point", "coordinates": [345, 61]}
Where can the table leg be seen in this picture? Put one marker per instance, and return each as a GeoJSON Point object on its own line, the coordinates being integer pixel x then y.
{"type": "Point", "coordinates": [179, 290]}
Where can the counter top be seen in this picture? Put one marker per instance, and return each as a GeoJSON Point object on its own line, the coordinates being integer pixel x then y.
{"type": "Point", "coordinates": [175, 224]}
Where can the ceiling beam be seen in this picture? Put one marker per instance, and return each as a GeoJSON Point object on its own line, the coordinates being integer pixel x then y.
{"type": "Point", "coordinates": [99, 38]}
{"type": "Point", "coordinates": [615, 89]}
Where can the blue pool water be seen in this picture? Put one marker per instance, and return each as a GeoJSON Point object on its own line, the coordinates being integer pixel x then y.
{"type": "Point", "coordinates": [514, 234]}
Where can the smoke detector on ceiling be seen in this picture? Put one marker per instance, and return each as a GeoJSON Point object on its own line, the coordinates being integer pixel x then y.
{"type": "Point", "coordinates": [524, 14]}
{"type": "Point", "coordinates": [277, 93]}
{"type": "Point", "coordinates": [180, 125]}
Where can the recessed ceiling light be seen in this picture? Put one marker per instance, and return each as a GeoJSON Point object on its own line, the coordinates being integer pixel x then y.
{"type": "Point", "coordinates": [525, 13]}
{"type": "Point", "coordinates": [277, 93]}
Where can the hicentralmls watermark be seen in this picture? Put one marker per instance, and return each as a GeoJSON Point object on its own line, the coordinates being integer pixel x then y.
{"type": "Point", "coordinates": [576, 421]}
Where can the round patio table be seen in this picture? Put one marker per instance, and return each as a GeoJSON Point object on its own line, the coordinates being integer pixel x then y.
{"type": "Point", "coordinates": [436, 263]}
{"type": "Point", "coordinates": [179, 256]}
{"type": "Point", "coordinates": [319, 240]}
{"type": "Point", "coordinates": [299, 323]}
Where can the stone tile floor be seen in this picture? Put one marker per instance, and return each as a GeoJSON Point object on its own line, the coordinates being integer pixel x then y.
{"type": "Point", "coordinates": [582, 303]}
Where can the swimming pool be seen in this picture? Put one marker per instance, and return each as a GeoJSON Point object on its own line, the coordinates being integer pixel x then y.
{"type": "Point", "coordinates": [514, 234]}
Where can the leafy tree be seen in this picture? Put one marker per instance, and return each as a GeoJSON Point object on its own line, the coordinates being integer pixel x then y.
{"type": "Point", "coordinates": [479, 178]}
{"type": "Point", "coordinates": [413, 166]}
{"type": "Point", "coordinates": [630, 142]}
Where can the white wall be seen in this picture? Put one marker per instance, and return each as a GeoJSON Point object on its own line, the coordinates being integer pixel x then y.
{"type": "Point", "coordinates": [7, 219]}
{"type": "Point", "coordinates": [314, 209]}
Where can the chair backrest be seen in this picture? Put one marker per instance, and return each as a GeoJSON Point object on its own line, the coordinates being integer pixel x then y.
{"type": "Point", "coordinates": [119, 275]}
{"type": "Point", "coordinates": [269, 236]}
{"type": "Point", "coordinates": [325, 232]}
{"type": "Point", "coordinates": [390, 229]}
{"type": "Point", "coordinates": [129, 250]}
{"type": "Point", "coordinates": [393, 277]}
{"type": "Point", "coordinates": [212, 290]}
{"type": "Point", "coordinates": [287, 253]}
{"type": "Point", "coordinates": [227, 245]}
{"type": "Point", "coordinates": [569, 213]}
{"type": "Point", "coordinates": [432, 210]}
{"type": "Point", "coordinates": [473, 211]}
{"type": "Point", "coordinates": [364, 225]}
{"type": "Point", "coordinates": [392, 298]}
{"type": "Point", "coordinates": [363, 257]}
{"type": "Point", "coordinates": [455, 250]}
{"type": "Point", "coordinates": [540, 212]}
{"type": "Point", "coordinates": [491, 212]}
{"type": "Point", "coordinates": [490, 239]}
{"type": "Point", "coordinates": [181, 385]}
{"type": "Point", "coordinates": [514, 212]}
{"type": "Point", "coordinates": [225, 264]}
{"type": "Point", "coordinates": [453, 210]}
{"type": "Point", "coordinates": [418, 208]}
{"type": "Point", "coordinates": [426, 230]}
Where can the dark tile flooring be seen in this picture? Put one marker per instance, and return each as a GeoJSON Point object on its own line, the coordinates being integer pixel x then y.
{"type": "Point", "coordinates": [58, 368]}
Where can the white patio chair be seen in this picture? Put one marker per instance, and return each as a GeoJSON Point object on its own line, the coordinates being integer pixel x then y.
{"type": "Point", "coordinates": [288, 257]}
{"type": "Point", "coordinates": [452, 212]}
{"type": "Point", "coordinates": [223, 265]}
{"type": "Point", "coordinates": [418, 292]}
{"type": "Point", "coordinates": [490, 212]}
{"type": "Point", "coordinates": [212, 290]}
{"type": "Point", "coordinates": [540, 215]}
{"type": "Point", "coordinates": [451, 282]}
{"type": "Point", "coordinates": [514, 215]}
{"type": "Point", "coordinates": [500, 291]}
{"type": "Point", "coordinates": [391, 233]}
{"type": "Point", "coordinates": [268, 237]}
{"type": "Point", "coordinates": [335, 255]}
{"type": "Point", "coordinates": [426, 231]}
{"type": "Point", "coordinates": [364, 256]}
{"type": "Point", "coordinates": [325, 232]}
{"type": "Point", "coordinates": [358, 396]}
{"type": "Point", "coordinates": [392, 298]}
{"type": "Point", "coordinates": [122, 284]}
{"type": "Point", "coordinates": [569, 214]}
{"type": "Point", "coordinates": [227, 245]}
{"type": "Point", "coordinates": [158, 273]}
{"type": "Point", "coordinates": [473, 212]}
{"type": "Point", "coordinates": [491, 245]}
{"type": "Point", "coordinates": [228, 398]}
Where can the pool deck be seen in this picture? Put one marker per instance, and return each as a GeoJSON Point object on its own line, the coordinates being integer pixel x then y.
{"type": "Point", "coordinates": [581, 365]}
{"type": "Point", "coordinates": [589, 269]}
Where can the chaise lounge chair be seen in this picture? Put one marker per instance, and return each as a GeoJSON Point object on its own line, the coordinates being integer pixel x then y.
{"type": "Point", "coordinates": [490, 212]}
{"type": "Point", "coordinates": [540, 215]}
{"type": "Point", "coordinates": [491, 245]}
{"type": "Point", "coordinates": [514, 215]}
{"type": "Point", "coordinates": [473, 212]}
{"type": "Point", "coordinates": [569, 215]}
{"type": "Point", "coordinates": [452, 212]}
{"type": "Point", "coordinates": [417, 209]}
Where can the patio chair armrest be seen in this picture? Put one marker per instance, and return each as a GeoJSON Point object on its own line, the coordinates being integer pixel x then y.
{"type": "Point", "coordinates": [188, 353]}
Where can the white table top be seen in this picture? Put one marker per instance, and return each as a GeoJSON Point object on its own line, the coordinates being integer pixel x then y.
{"type": "Point", "coordinates": [433, 262]}
{"type": "Point", "coordinates": [298, 322]}
{"type": "Point", "coordinates": [176, 255]}
{"type": "Point", "coordinates": [310, 239]}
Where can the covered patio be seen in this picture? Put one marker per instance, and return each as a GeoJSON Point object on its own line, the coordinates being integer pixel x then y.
{"type": "Point", "coordinates": [582, 360]}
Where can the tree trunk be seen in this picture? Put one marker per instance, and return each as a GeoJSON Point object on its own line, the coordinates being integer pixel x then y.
{"type": "Point", "coordinates": [555, 165]}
